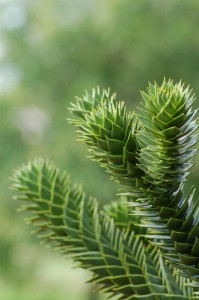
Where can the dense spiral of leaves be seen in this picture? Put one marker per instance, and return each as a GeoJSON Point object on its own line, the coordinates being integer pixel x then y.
{"type": "Point", "coordinates": [121, 263]}
{"type": "Point", "coordinates": [109, 131]}
{"type": "Point", "coordinates": [150, 154]}
{"type": "Point", "coordinates": [166, 138]}
{"type": "Point", "coordinates": [166, 153]}
{"type": "Point", "coordinates": [163, 136]}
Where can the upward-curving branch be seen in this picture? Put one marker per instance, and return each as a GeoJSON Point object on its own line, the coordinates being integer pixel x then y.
{"type": "Point", "coordinates": [149, 248]}
{"type": "Point", "coordinates": [120, 261]}
{"type": "Point", "coordinates": [159, 157]}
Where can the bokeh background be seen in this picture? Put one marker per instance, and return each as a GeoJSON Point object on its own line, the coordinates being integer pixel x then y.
{"type": "Point", "coordinates": [51, 51]}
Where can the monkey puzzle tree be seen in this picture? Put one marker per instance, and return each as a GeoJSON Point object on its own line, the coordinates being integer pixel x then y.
{"type": "Point", "coordinates": [147, 247]}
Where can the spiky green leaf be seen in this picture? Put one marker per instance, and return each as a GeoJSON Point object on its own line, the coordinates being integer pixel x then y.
{"type": "Point", "coordinates": [152, 154]}
{"type": "Point", "coordinates": [64, 217]}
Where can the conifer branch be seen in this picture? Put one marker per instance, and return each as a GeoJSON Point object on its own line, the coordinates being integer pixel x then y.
{"type": "Point", "coordinates": [148, 249]}
{"type": "Point", "coordinates": [63, 216]}
{"type": "Point", "coordinates": [160, 158]}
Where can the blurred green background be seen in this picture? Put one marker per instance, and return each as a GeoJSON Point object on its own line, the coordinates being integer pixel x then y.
{"type": "Point", "coordinates": [51, 51]}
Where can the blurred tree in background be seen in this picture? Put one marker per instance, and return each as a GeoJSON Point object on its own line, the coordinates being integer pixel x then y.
{"type": "Point", "coordinates": [49, 52]}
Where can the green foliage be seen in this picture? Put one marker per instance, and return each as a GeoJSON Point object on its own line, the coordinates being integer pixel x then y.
{"type": "Point", "coordinates": [162, 153]}
{"type": "Point", "coordinates": [64, 217]}
{"type": "Point", "coordinates": [106, 128]}
{"type": "Point", "coordinates": [147, 249]}
{"type": "Point", "coordinates": [52, 50]}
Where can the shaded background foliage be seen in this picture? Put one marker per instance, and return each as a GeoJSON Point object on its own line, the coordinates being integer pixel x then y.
{"type": "Point", "coordinates": [49, 52]}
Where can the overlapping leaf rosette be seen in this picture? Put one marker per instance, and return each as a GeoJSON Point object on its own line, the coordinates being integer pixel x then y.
{"type": "Point", "coordinates": [100, 241]}
{"type": "Point", "coordinates": [147, 248]}
{"type": "Point", "coordinates": [160, 153]}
